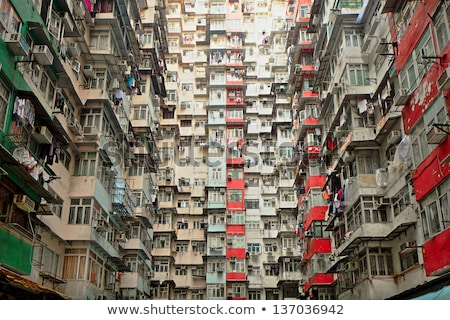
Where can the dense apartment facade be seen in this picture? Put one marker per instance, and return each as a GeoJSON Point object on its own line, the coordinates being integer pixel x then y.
{"type": "Point", "coordinates": [224, 149]}
{"type": "Point", "coordinates": [373, 179]}
{"type": "Point", "coordinates": [81, 84]}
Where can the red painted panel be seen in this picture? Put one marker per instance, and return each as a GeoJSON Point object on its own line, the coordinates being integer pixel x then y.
{"type": "Point", "coordinates": [423, 96]}
{"type": "Point", "coordinates": [315, 182]}
{"type": "Point", "coordinates": [235, 229]}
{"type": "Point", "coordinates": [239, 253]}
{"type": "Point", "coordinates": [235, 184]}
{"type": "Point", "coordinates": [436, 254]}
{"type": "Point", "coordinates": [411, 35]}
{"type": "Point", "coordinates": [316, 213]}
{"type": "Point", "coordinates": [311, 121]}
{"type": "Point", "coordinates": [317, 245]}
{"type": "Point", "coordinates": [319, 279]}
{"type": "Point", "coordinates": [236, 276]}
{"type": "Point", "coordinates": [432, 171]}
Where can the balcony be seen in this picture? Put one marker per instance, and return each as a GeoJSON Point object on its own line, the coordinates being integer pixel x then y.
{"type": "Point", "coordinates": [123, 200]}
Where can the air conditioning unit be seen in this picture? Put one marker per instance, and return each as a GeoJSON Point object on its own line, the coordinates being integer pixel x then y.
{"type": "Point", "coordinates": [42, 135]}
{"type": "Point", "coordinates": [394, 137]}
{"type": "Point", "coordinates": [219, 269]}
{"type": "Point", "coordinates": [200, 291]}
{"type": "Point", "coordinates": [435, 135]}
{"type": "Point", "coordinates": [23, 202]}
{"type": "Point", "coordinates": [373, 25]}
{"type": "Point", "coordinates": [298, 68]}
{"type": "Point", "coordinates": [115, 84]}
{"type": "Point", "coordinates": [276, 291]}
{"type": "Point", "coordinates": [17, 44]}
{"type": "Point", "coordinates": [443, 82]}
{"type": "Point", "coordinates": [90, 132]}
{"type": "Point", "coordinates": [74, 49]}
{"type": "Point", "coordinates": [222, 190]}
{"type": "Point", "coordinates": [74, 126]}
{"type": "Point", "coordinates": [401, 97]}
{"type": "Point", "coordinates": [308, 233]}
{"type": "Point", "coordinates": [68, 22]}
{"type": "Point", "coordinates": [43, 55]}
{"type": "Point", "coordinates": [75, 65]}
{"type": "Point", "coordinates": [88, 70]}
{"type": "Point", "coordinates": [232, 259]}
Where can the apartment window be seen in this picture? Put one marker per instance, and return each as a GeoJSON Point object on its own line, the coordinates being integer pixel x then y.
{"type": "Point", "coordinates": [288, 242]}
{"type": "Point", "coordinates": [163, 218]}
{"type": "Point", "coordinates": [161, 266]}
{"type": "Point", "coordinates": [234, 195]}
{"type": "Point", "coordinates": [216, 243]}
{"type": "Point", "coordinates": [270, 203]}
{"type": "Point", "coordinates": [183, 204]}
{"type": "Point", "coordinates": [271, 270]}
{"type": "Point", "coordinates": [186, 123]}
{"type": "Point", "coordinates": [140, 112]}
{"type": "Point", "coordinates": [44, 83]}
{"type": "Point", "coordinates": [235, 173]}
{"type": "Point", "coordinates": [198, 246]}
{"type": "Point", "coordinates": [100, 40]}
{"type": "Point", "coordinates": [5, 94]}
{"type": "Point", "coordinates": [216, 291]}
{"type": "Point", "coordinates": [441, 30]}
{"type": "Point", "coordinates": [216, 196]}
{"type": "Point", "coordinates": [254, 295]}
{"type": "Point", "coordinates": [420, 147]}
{"type": "Point", "coordinates": [171, 95]}
{"type": "Point", "coordinates": [64, 156]}
{"type": "Point", "coordinates": [168, 114]}
{"type": "Point", "coordinates": [48, 259]}
{"type": "Point", "coordinates": [285, 152]}
{"type": "Point", "coordinates": [147, 38]}
{"type": "Point", "coordinates": [401, 200]}
{"type": "Point", "coordinates": [252, 225]}
{"type": "Point", "coordinates": [180, 271]}
{"type": "Point", "coordinates": [236, 217]}
{"type": "Point", "coordinates": [9, 18]}
{"type": "Point", "coordinates": [270, 247]}
{"type": "Point", "coordinates": [161, 242]}
{"type": "Point", "coordinates": [359, 74]}
{"type": "Point", "coordinates": [85, 164]}
{"type": "Point", "coordinates": [251, 203]}
{"type": "Point", "coordinates": [436, 210]}
{"type": "Point", "coordinates": [368, 162]}
{"type": "Point", "coordinates": [254, 248]}
{"type": "Point", "coordinates": [380, 261]}
{"type": "Point", "coordinates": [182, 247]}
{"type": "Point", "coordinates": [74, 264]}
{"type": "Point", "coordinates": [80, 211]}
{"type": "Point", "coordinates": [288, 196]}
{"type": "Point", "coordinates": [352, 39]}
{"type": "Point", "coordinates": [236, 241]}
{"type": "Point", "coordinates": [173, 43]}
{"type": "Point", "coordinates": [238, 290]}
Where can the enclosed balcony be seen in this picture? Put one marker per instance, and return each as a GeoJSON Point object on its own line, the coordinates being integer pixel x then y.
{"type": "Point", "coordinates": [123, 200]}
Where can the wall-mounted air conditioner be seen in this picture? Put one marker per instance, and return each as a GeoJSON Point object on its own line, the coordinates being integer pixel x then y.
{"type": "Point", "coordinates": [435, 135]}
{"type": "Point", "coordinates": [23, 202]}
{"type": "Point", "coordinates": [88, 70]}
{"type": "Point", "coordinates": [90, 132]}
{"type": "Point", "coordinates": [74, 49]}
{"type": "Point", "coordinates": [17, 44]}
{"type": "Point", "coordinates": [402, 97]}
{"type": "Point", "coordinates": [42, 135]}
{"type": "Point", "coordinates": [42, 54]}
{"type": "Point", "coordinates": [443, 82]}
{"type": "Point", "coordinates": [394, 137]}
